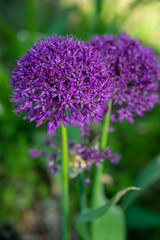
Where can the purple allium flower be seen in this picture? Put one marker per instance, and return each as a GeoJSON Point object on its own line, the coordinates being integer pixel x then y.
{"type": "Point", "coordinates": [89, 155]}
{"type": "Point", "coordinates": [81, 156]}
{"type": "Point", "coordinates": [61, 79]}
{"type": "Point", "coordinates": [136, 71]}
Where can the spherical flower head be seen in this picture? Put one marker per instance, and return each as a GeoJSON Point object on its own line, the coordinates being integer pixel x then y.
{"type": "Point", "coordinates": [61, 79]}
{"type": "Point", "coordinates": [136, 71]}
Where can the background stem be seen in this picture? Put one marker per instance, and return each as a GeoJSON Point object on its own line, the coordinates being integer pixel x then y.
{"type": "Point", "coordinates": [82, 192]}
{"type": "Point", "coordinates": [98, 7]}
{"type": "Point", "coordinates": [65, 188]}
{"type": "Point", "coordinates": [82, 197]}
{"type": "Point", "coordinates": [31, 16]}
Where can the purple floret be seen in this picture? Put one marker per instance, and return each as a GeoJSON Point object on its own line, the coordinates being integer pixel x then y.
{"type": "Point", "coordinates": [93, 155]}
{"type": "Point", "coordinates": [136, 71]}
{"type": "Point", "coordinates": [87, 181]}
{"type": "Point", "coordinates": [61, 79]}
{"type": "Point", "coordinates": [33, 152]}
{"type": "Point", "coordinates": [81, 156]}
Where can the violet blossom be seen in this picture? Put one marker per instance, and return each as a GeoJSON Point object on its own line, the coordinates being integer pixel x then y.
{"type": "Point", "coordinates": [61, 79]}
{"type": "Point", "coordinates": [82, 156]}
{"type": "Point", "coordinates": [136, 72]}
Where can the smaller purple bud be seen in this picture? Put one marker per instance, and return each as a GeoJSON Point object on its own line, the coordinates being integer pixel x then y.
{"type": "Point", "coordinates": [107, 153]}
{"type": "Point", "coordinates": [49, 142]}
{"type": "Point", "coordinates": [115, 158]}
{"type": "Point", "coordinates": [42, 153]}
{"type": "Point", "coordinates": [110, 129]}
{"type": "Point", "coordinates": [53, 155]}
{"type": "Point", "coordinates": [71, 144]}
{"type": "Point", "coordinates": [87, 181]}
{"type": "Point", "coordinates": [33, 152]}
{"type": "Point", "coordinates": [52, 166]}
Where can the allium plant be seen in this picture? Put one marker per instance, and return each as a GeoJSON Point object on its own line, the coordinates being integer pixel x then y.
{"type": "Point", "coordinates": [63, 80]}
{"type": "Point", "coordinates": [136, 72]}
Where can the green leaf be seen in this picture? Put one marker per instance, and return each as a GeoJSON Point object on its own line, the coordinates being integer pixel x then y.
{"type": "Point", "coordinates": [94, 214]}
{"type": "Point", "coordinates": [111, 226]}
{"type": "Point", "coordinates": [142, 218]}
{"type": "Point", "coordinates": [147, 177]}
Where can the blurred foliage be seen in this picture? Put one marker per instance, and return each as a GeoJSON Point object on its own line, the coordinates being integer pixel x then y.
{"type": "Point", "coordinates": [24, 181]}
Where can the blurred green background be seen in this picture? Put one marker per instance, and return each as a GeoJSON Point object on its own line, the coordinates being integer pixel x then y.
{"type": "Point", "coordinates": [29, 196]}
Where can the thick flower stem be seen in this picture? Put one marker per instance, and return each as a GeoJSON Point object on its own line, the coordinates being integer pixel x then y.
{"type": "Point", "coordinates": [97, 186]}
{"type": "Point", "coordinates": [65, 188]}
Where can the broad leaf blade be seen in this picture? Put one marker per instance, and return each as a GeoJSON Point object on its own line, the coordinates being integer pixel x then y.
{"type": "Point", "coordinates": [147, 177]}
{"type": "Point", "coordinates": [94, 214]}
{"type": "Point", "coordinates": [111, 226]}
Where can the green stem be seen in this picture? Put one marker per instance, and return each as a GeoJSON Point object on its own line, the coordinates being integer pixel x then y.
{"type": "Point", "coordinates": [104, 137]}
{"type": "Point", "coordinates": [97, 186]}
{"type": "Point", "coordinates": [65, 188]}
{"type": "Point", "coordinates": [82, 192]}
